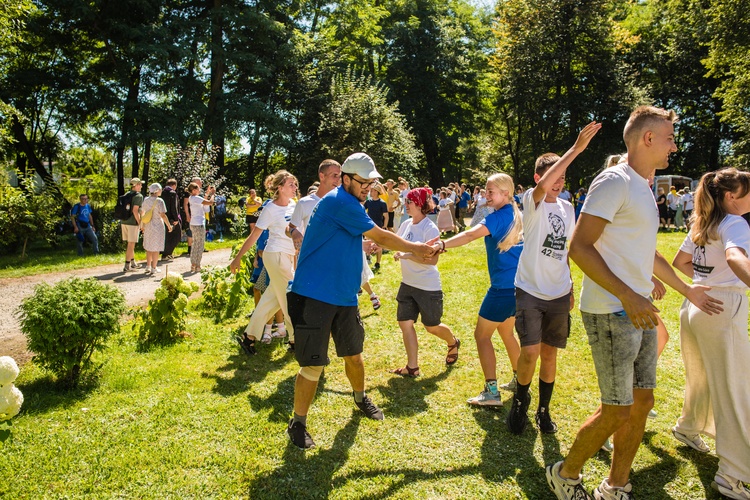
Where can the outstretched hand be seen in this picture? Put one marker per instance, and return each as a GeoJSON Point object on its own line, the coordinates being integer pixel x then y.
{"type": "Point", "coordinates": [585, 136]}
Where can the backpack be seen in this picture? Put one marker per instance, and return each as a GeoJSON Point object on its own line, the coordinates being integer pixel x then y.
{"type": "Point", "coordinates": [123, 208]}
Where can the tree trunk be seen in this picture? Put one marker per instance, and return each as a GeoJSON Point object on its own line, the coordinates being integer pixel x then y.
{"type": "Point", "coordinates": [120, 153]}
{"type": "Point", "coordinates": [146, 160]}
{"type": "Point", "coordinates": [136, 160]}
{"type": "Point", "coordinates": [213, 126]}
{"type": "Point", "coordinates": [24, 147]}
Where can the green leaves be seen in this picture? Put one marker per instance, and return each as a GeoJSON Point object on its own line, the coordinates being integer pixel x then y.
{"type": "Point", "coordinates": [164, 319]}
{"type": "Point", "coordinates": [67, 322]}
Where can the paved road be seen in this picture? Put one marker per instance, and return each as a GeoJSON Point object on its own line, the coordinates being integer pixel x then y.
{"type": "Point", "coordinates": [137, 287]}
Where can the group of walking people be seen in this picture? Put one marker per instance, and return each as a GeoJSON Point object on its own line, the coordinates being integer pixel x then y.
{"type": "Point", "coordinates": [531, 289]}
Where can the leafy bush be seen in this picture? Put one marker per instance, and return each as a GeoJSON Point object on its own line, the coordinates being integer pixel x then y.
{"type": "Point", "coordinates": [164, 318]}
{"type": "Point", "coordinates": [109, 234]}
{"type": "Point", "coordinates": [225, 293]}
{"type": "Point", "coordinates": [237, 228]}
{"type": "Point", "coordinates": [66, 323]}
{"type": "Point", "coordinates": [25, 217]}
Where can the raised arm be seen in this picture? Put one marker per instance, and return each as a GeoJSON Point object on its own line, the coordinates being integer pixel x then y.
{"type": "Point", "coordinates": [555, 171]}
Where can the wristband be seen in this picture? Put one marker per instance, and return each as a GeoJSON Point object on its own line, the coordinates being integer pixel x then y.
{"type": "Point", "coordinates": [442, 246]}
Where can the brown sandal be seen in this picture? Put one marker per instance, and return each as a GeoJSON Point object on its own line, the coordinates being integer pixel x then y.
{"type": "Point", "coordinates": [407, 371]}
{"type": "Point", "coordinates": [451, 359]}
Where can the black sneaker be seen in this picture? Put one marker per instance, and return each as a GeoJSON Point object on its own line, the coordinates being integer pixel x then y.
{"type": "Point", "coordinates": [517, 418]}
{"type": "Point", "coordinates": [376, 267]}
{"type": "Point", "coordinates": [247, 345]}
{"type": "Point", "coordinates": [369, 408]}
{"type": "Point", "coordinates": [290, 347]}
{"type": "Point", "coordinates": [544, 421]}
{"type": "Point", "coordinates": [299, 436]}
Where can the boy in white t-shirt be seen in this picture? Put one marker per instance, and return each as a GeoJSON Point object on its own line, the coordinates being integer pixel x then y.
{"type": "Point", "coordinates": [544, 288]}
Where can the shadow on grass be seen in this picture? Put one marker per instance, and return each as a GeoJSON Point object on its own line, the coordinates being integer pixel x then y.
{"type": "Point", "coordinates": [405, 396]}
{"type": "Point", "coordinates": [707, 464]}
{"type": "Point", "coordinates": [281, 401]}
{"type": "Point", "coordinates": [47, 393]}
{"type": "Point", "coordinates": [246, 370]}
{"type": "Point", "coordinates": [307, 474]}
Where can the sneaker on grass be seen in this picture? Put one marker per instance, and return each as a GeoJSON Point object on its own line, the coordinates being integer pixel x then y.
{"type": "Point", "coordinates": [299, 436]}
{"type": "Point", "coordinates": [565, 489]}
{"type": "Point", "coordinates": [510, 386]}
{"type": "Point", "coordinates": [486, 398]}
{"type": "Point", "coordinates": [544, 421]}
{"type": "Point", "coordinates": [695, 441]}
{"type": "Point", "coordinates": [606, 492]}
{"type": "Point", "coordinates": [369, 408]}
{"type": "Point", "coordinates": [517, 417]}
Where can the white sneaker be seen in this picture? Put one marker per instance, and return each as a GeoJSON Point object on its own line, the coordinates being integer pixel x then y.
{"type": "Point", "coordinates": [155, 270]}
{"type": "Point", "coordinates": [730, 487]}
{"type": "Point", "coordinates": [652, 413]}
{"type": "Point", "coordinates": [606, 492]}
{"type": "Point", "coordinates": [510, 386]}
{"type": "Point", "coordinates": [485, 398]}
{"type": "Point", "coordinates": [565, 489]}
{"type": "Point", "coordinates": [148, 271]}
{"type": "Point", "coordinates": [608, 446]}
{"type": "Point", "coordinates": [695, 441]}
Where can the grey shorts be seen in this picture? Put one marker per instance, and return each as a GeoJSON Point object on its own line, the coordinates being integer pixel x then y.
{"type": "Point", "coordinates": [414, 301]}
{"type": "Point", "coordinates": [539, 320]}
{"type": "Point", "coordinates": [624, 356]}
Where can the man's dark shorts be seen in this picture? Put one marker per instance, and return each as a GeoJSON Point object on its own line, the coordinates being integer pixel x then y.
{"type": "Point", "coordinates": [414, 301]}
{"type": "Point", "coordinates": [539, 320]}
{"type": "Point", "coordinates": [390, 219]}
{"type": "Point", "coordinates": [315, 322]}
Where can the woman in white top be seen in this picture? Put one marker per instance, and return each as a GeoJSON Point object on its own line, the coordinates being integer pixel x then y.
{"type": "Point", "coordinates": [153, 230]}
{"type": "Point", "coordinates": [420, 293]}
{"type": "Point", "coordinates": [197, 221]}
{"type": "Point", "coordinates": [481, 209]}
{"type": "Point", "coordinates": [445, 213]}
{"type": "Point", "coordinates": [715, 349]}
{"type": "Point", "coordinates": [278, 258]}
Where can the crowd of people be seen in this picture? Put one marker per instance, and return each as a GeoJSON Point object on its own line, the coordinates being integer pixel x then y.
{"type": "Point", "coordinates": [316, 251]}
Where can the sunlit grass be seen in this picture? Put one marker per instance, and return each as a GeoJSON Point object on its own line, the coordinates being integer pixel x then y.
{"type": "Point", "coordinates": [200, 419]}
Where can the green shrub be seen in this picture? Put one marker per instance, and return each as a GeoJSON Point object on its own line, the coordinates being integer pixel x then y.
{"type": "Point", "coordinates": [25, 217]}
{"type": "Point", "coordinates": [237, 228]}
{"type": "Point", "coordinates": [225, 293]}
{"type": "Point", "coordinates": [164, 318]}
{"type": "Point", "coordinates": [66, 323]}
{"type": "Point", "coordinates": [109, 234]}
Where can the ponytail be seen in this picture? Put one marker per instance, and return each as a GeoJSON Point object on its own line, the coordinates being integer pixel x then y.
{"type": "Point", "coordinates": [708, 209]}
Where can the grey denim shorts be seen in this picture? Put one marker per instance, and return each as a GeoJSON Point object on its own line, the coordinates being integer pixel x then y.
{"type": "Point", "coordinates": [624, 356]}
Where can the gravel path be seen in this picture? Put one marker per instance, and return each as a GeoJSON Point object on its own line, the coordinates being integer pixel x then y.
{"type": "Point", "coordinates": [137, 287]}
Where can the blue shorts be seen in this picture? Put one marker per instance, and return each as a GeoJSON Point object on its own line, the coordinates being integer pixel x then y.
{"type": "Point", "coordinates": [499, 304]}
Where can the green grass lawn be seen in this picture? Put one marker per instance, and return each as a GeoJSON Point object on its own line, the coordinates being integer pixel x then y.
{"type": "Point", "coordinates": [42, 259]}
{"type": "Point", "coordinates": [202, 420]}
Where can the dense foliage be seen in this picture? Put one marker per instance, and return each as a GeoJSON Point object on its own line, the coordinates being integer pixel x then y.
{"type": "Point", "coordinates": [66, 323]}
{"type": "Point", "coordinates": [436, 90]}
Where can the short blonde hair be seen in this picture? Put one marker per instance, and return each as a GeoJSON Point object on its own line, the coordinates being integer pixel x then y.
{"type": "Point", "coordinates": [643, 117]}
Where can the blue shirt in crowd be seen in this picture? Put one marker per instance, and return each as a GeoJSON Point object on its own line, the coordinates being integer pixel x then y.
{"type": "Point", "coordinates": [329, 268]}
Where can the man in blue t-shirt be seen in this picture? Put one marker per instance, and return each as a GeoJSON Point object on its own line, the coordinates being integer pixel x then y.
{"type": "Point", "coordinates": [83, 225]}
{"type": "Point", "coordinates": [323, 299]}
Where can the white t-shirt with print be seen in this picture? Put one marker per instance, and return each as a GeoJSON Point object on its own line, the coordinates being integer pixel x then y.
{"type": "Point", "coordinates": [276, 219]}
{"type": "Point", "coordinates": [422, 276]}
{"type": "Point", "coordinates": [710, 266]}
{"type": "Point", "coordinates": [627, 244]}
{"type": "Point", "coordinates": [543, 266]}
{"type": "Point", "coordinates": [303, 211]}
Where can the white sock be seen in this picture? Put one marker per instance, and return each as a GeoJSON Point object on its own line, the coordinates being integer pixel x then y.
{"type": "Point", "coordinates": [280, 326]}
{"type": "Point", "coordinates": [373, 295]}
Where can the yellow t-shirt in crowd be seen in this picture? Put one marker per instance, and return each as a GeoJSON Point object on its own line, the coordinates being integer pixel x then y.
{"type": "Point", "coordinates": [253, 205]}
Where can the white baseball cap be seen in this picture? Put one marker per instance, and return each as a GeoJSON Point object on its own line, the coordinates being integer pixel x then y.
{"type": "Point", "coordinates": [360, 164]}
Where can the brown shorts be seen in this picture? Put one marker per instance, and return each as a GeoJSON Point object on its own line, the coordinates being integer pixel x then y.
{"type": "Point", "coordinates": [539, 320]}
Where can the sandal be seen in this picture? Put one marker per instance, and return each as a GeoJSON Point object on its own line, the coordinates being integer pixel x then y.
{"type": "Point", "coordinates": [407, 371]}
{"type": "Point", "coordinates": [451, 359]}
{"type": "Point", "coordinates": [247, 345]}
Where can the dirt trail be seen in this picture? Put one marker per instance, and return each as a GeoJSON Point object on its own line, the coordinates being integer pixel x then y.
{"type": "Point", "coordinates": [137, 287]}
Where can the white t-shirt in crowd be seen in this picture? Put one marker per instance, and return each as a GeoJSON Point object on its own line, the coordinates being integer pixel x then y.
{"type": "Point", "coordinates": [673, 199]}
{"type": "Point", "coordinates": [303, 211]}
{"type": "Point", "coordinates": [627, 244]}
{"type": "Point", "coordinates": [422, 276]}
{"type": "Point", "coordinates": [687, 201]}
{"type": "Point", "coordinates": [710, 266]}
{"type": "Point", "coordinates": [197, 217]}
{"type": "Point", "coordinates": [481, 200]}
{"type": "Point", "coordinates": [543, 266]}
{"type": "Point", "coordinates": [276, 219]}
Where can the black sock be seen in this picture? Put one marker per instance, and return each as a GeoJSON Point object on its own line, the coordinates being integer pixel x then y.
{"type": "Point", "coordinates": [302, 419]}
{"type": "Point", "coordinates": [545, 393]}
{"type": "Point", "coordinates": [188, 249]}
{"type": "Point", "coordinates": [522, 391]}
